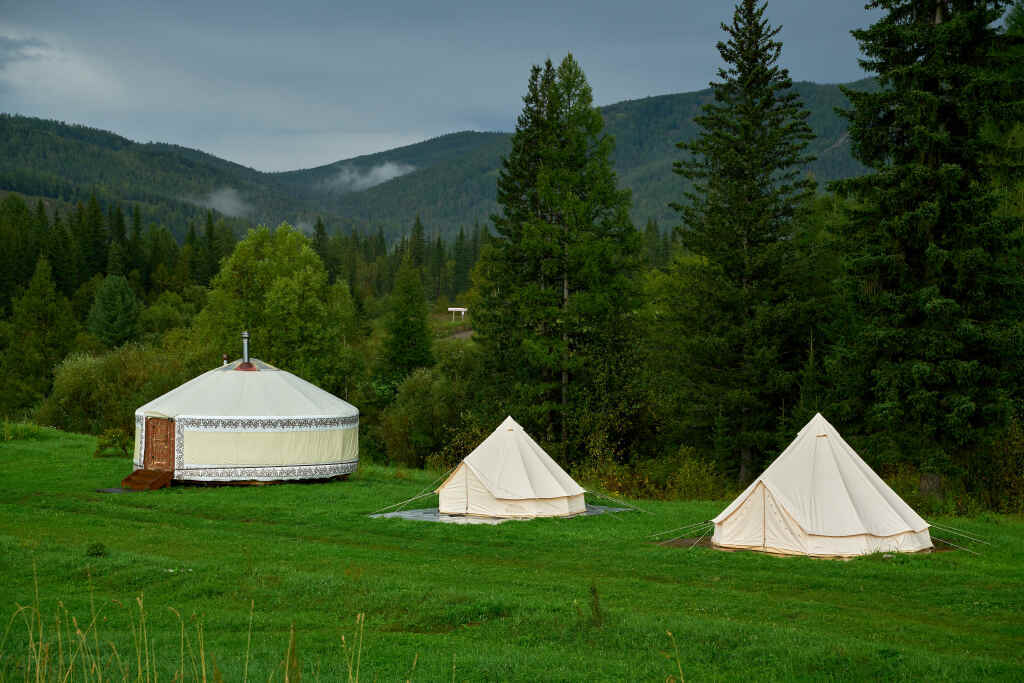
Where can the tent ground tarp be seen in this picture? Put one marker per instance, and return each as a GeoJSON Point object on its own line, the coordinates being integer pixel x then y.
{"type": "Point", "coordinates": [434, 515]}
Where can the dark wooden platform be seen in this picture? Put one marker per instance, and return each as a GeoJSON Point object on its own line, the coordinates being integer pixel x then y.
{"type": "Point", "coordinates": [147, 480]}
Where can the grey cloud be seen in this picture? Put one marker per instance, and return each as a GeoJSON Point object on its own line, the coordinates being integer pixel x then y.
{"type": "Point", "coordinates": [17, 49]}
{"type": "Point", "coordinates": [226, 200]}
{"type": "Point", "coordinates": [351, 179]}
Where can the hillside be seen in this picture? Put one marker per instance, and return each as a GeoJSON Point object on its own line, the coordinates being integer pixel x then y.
{"type": "Point", "coordinates": [449, 180]}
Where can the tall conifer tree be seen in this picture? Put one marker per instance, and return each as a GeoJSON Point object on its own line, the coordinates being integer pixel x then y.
{"type": "Point", "coordinates": [737, 355]}
{"type": "Point", "coordinates": [557, 285]}
{"type": "Point", "coordinates": [42, 328]}
{"type": "Point", "coordinates": [934, 275]}
{"type": "Point", "coordinates": [407, 344]}
{"type": "Point", "coordinates": [462, 254]}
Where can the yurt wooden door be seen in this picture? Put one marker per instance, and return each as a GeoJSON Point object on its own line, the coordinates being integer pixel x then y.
{"type": "Point", "coordinates": [159, 453]}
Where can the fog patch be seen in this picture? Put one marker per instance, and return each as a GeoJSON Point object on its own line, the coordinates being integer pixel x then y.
{"type": "Point", "coordinates": [354, 179]}
{"type": "Point", "coordinates": [226, 200]}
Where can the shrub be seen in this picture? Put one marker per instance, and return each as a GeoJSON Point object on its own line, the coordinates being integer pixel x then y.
{"type": "Point", "coordinates": [96, 550]}
{"type": "Point", "coordinates": [93, 393]}
{"type": "Point", "coordinates": [681, 475]}
{"type": "Point", "coordinates": [418, 421]}
{"type": "Point", "coordinates": [114, 439]}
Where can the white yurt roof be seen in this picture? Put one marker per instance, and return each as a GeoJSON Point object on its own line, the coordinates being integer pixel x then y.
{"type": "Point", "coordinates": [264, 391]}
{"type": "Point", "coordinates": [829, 490]}
{"type": "Point", "coordinates": [514, 467]}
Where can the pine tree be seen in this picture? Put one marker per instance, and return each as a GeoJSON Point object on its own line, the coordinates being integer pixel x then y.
{"type": "Point", "coordinates": [117, 259]}
{"type": "Point", "coordinates": [557, 284]}
{"type": "Point", "coordinates": [933, 274]}
{"type": "Point", "coordinates": [738, 357]}
{"type": "Point", "coordinates": [136, 249]}
{"type": "Point", "coordinates": [59, 251]}
{"type": "Point", "coordinates": [438, 263]}
{"type": "Point", "coordinates": [92, 239]}
{"type": "Point", "coordinates": [114, 312]}
{"type": "Point", "coordinates": [18, 246]}
{"type": "Point", "coordinates": [418, 244]}
{"type": "Point", "coordinates": [653, 245]}
{"type": "Point", "coordinates": [407, 344]}
{"type": "Point", "coordinates": [321, 245]}
{"type": "Point", "coordinates": [118, 232]}
{"type": "Point", "coordinates": [463, 262]}
{"type": "Point", "coordinates": [42, 328]}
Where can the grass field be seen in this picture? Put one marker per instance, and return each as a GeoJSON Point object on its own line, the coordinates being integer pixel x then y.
{"type": "Point", "coordinates": [586, 598]}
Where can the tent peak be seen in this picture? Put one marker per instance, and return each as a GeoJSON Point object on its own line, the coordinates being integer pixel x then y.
{"type": "Point", "coordinates": [510, 424]}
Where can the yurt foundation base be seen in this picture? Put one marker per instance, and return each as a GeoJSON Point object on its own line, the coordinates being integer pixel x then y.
{"type": "Point", "coordinates": [257, 482]}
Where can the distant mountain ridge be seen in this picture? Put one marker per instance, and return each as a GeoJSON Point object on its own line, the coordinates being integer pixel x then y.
{"type": "Point", "coordinates": [449, 181]}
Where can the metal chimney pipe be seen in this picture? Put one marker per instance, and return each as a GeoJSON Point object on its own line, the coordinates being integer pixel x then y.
{"type": "Point", "coordinates": [245, 347]}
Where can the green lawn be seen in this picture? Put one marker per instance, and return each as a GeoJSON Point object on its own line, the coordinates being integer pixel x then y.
{"type": "Point", "coordinates": [515, 601]}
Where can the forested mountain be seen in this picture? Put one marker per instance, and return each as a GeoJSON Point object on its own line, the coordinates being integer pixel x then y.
{"type": "Point", "coordinates": [448, 181]}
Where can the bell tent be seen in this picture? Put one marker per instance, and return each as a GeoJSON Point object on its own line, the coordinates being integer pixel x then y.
{"type": "Point", "coordinates": [247, 421]}
{"type": "Point", "coordinates": [819, 498]}
{"type": "Point", "coordinates": [509, 475]}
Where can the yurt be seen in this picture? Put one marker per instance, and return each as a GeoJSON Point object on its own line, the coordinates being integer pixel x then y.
{"type": "Point", "coordinates": [819, 498]}
{"type": "Point", "coordinates": [509, 475]}
{"type": "Point", "coordinates": [247, 421]}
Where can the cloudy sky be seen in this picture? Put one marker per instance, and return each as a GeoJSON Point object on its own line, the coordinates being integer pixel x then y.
{"type": "Point", "coordinates": [288, 85]}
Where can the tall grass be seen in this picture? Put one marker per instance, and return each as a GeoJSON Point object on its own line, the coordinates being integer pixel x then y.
{"type": "Point", "coordinates": [63, 649]}
{"type": "Point", "coordinates": [24, 431]}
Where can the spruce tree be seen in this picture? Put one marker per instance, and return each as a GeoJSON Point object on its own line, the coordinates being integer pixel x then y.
{"type": "Point", "coordinates": [463, 262]}
{"type": "Point", "coordinates": [59, 251]}
{"type": "Point", "coordinates": [407, 344]}
{"type": "Point", "coordinates": [739, 345]}
{"type": "Point", "coordinates": [118, 231]}
{"type": "Point", "coordinates": [933, 273]}
{"type": "Point", "coordinates": [438, 263]}
{"type": "Point", "coordinates": [92, 239]}
{"type": "Point", "coordinates": [41, 330]}
{"type": "Point", "coordinates": [114, 312]}
{"type": "Point", "coordinates": [418, 244]}
{"type": "Point", "coordinates": [321, 245]}
{"type": "Point", "coordinates": [557, 282]}
{"type": "Point", "coordinates": [136, 248]}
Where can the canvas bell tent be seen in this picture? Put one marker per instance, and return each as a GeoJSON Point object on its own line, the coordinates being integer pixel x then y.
{"type": "Point", "coordinates": [819, 498]}
{"type": "Point", "coordinates": [247, 421]}
{"type": "Point", "coordinates": [509, 475]}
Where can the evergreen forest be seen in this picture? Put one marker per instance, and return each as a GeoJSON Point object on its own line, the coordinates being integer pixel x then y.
{"type": "Point", "coordinates": [662, 291]}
